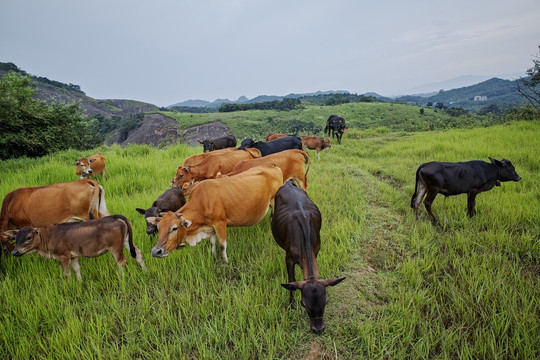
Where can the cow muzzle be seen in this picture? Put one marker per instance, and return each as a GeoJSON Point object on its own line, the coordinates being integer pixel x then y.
{"type": "Point", "coordinates": [17, 253]}
{"type": "Point", "coordinates": [159, 252]}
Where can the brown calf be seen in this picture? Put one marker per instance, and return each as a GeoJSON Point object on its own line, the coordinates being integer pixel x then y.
{"type": "Point", "coordinates": [91, 166]}
{"type": "Point", "coordinates": [315, 143]}
{"type": "Point", "coordinates": [69, 241]}
{"type": "Point", "coordinates": [296, 225]}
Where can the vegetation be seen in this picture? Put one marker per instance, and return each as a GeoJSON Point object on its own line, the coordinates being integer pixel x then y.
{"type": "Point", "coordinates": [530, 87]}
{"type": "Point", "coordinates": [34, 128]}
{"type": "Point", "coordinates": [281, 105]}
{"type": "Point", "coordinates": [467, 288]}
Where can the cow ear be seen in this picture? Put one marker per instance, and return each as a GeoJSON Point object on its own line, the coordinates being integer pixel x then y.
{"type": "Point", "coordinates": [178, 215]}
{"type": "Point", "coordinates": [92, 160]}
{"type": "Point", "coordinates": [185, 223]}
{"type": "Point", "coordinates": [291, 286]}
{"type": "Point", "coordinates": [154, 220]}
{"type": "Point", "coordinates": [76, 163]}
{"type": "Point", "coordinates": [140, 211]}
{"type": "Point", "coordinates": [36, 232]}
{"type": "Point", "coordinates": [211, 141]}
{"type": "Point", "coordinates": [10, 234]}
{"type": "Point", "coordinates": [332, 282]}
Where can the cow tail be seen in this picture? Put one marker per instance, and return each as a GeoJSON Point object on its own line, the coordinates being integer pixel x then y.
{"type": "Point", "coordinates": [132, 251]}
{"type": "Point", "coordinates": [305, 224]}
{"type": "Point", "coordinates": [94, 200]}
{"type": "Point", "coordinates": [102, 206]}
{"type": "Point", "coordinates": [415, 186]}
{"type": "Point", "coordinates": [306, 158]}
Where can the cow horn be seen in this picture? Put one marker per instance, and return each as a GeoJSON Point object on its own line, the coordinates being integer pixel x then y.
{"type": "Point", "coordinates": [185, 223]}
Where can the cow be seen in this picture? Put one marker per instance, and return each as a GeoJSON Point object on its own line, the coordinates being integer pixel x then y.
{"type": "Point", "coordinates": [216, 204]}
{"type": "Point", "coordinates": [69, 241]}
{"type": "Point", "coordinates": [219, 143]}
{"type": "Point", "coordinates": [291, 163]}
{"type": "Point", "coordinates": [197, 158]}
{"type": "Point", "coordinates": [188, 176]}
{"type": "Point", "coordinates": [88, 167]}
{"type": "Point", "coordinates": [315, 143]}
{"type": "Point", "coordinates": [470, 177]}
{"type": "Point", "coordinates": [171, 200]}
{"type": "Point", "coordinates": [296, 226]}
{"type": "Point", "coordinates": [271, 137]}
{"type": "Point", "coordinates": [335, 127]}
{"type": "Point", "coordinates": [273, 146]}
{"type": "Point", "coordinates": [43, 205]}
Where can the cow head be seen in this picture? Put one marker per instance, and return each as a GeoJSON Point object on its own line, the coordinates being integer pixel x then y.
{"type": "Point", "coordinates": [27, 241]}
{"type": "Point", "coordinates": [208, 145]}
{"type": "Point", "coordinates": [84, 169]}
{"type": "Point", "coordinates": [172, 233]}
{"type": "Point", "coordinates": [150, 216]}
{"type": "Point", "coordinates": [246, 143]}
{"type": "Point", "coordinates": [507, 172]}
{"type": "Point", "coordinates": [314, 299]}
{"type": "Point", "coordinates": [327, 143]}
{"type": "Point", "coordinates": [186, 177]}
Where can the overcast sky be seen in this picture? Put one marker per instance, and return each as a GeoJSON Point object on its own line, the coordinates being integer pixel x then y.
{"type": "Point", "coordinates": [167, 51]}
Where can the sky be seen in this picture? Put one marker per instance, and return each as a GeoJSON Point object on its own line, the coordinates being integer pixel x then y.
{"type": "Point", "coordinates": [167, 51]}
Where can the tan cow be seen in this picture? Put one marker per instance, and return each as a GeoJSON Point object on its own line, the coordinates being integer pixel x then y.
{"type": "Point", "coordinates": [215, 204]}
{"type": "Point", "coordinates": [69, 241]}
{"type": "Point", "coordinates": [291, 162]}
{"type": "Point", "coordinates": [197, 158]}
{"type": "Point", "coordinates": [315, 143]}
{"type": "Point", "coordinates": [88, 167]}
{"type": "Point", "coordinates": [188, 176]}
{"type": "Point", "coordinates": [271, 137]}
{"type": "Point", "coordinates": [43, 205]}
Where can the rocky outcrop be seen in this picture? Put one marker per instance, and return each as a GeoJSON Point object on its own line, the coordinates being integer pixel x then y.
{"type": "Point", "coordinates": [160, 130]}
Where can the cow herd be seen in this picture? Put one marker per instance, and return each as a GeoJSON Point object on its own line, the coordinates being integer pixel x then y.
{"type": "Point", "coordinates": [228, 186]}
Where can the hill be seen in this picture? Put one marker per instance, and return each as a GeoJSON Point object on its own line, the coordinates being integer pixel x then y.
{"type": "Point", "coordinates": [55, 91]}
{"type": "Point", "coordinates": [493, 92]}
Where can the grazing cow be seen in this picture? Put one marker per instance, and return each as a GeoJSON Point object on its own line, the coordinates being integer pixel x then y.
{"type": "Point", "coordinates": [274, 146]}
{"type": "Point", "coordinates": [197, 158]}
{"type": "Point", "coordinates": [171, 200]}
{"type": "Point", "coordinates": [470, 177]}
{"type": "Point", "coordinates": [271, 137]}
{"type": "Point", "coordinates": [189, 176]}
{"type": "Point", "coordinates": [69, 241]}
{"type": "Point", "coordinates": [215, 204]}
{"type": "Point", "coordinates": [43, 205]}
{"type": "Point", "coordinates": [335, 127]}
{"type": "Point", "coordinates": [88, 167]}
{"type": "Point", "coordinates": [219, 143]}
{"type": "Point", "coordinates": [296, 225]}
{"type": "Point", "coordinates": [291, 163]}
{"type": "Point", "coordinates": [315, 143]}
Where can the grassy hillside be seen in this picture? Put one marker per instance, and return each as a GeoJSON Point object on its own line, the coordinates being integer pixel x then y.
{"type": "Point", "coordinates": [363, 116]}
{"type": "Point", "coordinates": [467, 288]}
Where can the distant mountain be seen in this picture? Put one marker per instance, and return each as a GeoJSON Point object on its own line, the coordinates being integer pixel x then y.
{"type": "Point", "coordinates": [495, 91]}
{"type": "Point", "coordinates": [244, 100]}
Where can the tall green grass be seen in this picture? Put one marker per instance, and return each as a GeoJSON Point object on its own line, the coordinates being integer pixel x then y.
{"type": "Point", "coordinates": [467, 288]}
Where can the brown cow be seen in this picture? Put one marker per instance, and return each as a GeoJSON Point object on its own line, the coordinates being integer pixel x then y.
{"type": "Point", "coordinates": [197, 158]}
{"type": "Point", "coordinates": [43, 205]}
{"type": "Point", "coordinates": [69, 241]}
{"type": "Point", "coordinates": [296, 226]}
{"type": "Point", "coordinates": [189, 176]}
{"type": "Point", "coordinates": [271, 137]}
{"type": "Point", "coordinates": [91, 166]}
{"type": "Point", "coordinates": [315, 143]}
{"type": "Point", "coordinates": [215, 204]}
{"type": "Point", "coordinates": [291, 162]}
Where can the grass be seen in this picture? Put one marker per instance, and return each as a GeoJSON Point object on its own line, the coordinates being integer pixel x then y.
{"type": "Point", "coordinates": [467, 288]}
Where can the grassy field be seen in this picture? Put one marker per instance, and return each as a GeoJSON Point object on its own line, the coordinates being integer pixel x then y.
{"type": "Point", "coordinates": [467, 288]}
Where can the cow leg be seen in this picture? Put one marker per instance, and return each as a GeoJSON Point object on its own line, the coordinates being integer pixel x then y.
{"type": "Point", "coordinates": [421, 191]}
{"type": "Point", "coordinates": [213, 242]}
{"type": "Point", "coordinates": [76, 267]}
{"type": "Point", "coordinates": [119, 257]}
{"type": "Point", "coordinates": [427, 203]}
{"type": "Point", "coordinates": [221, 233]}
{"type": "Point", "coordinates": [64, 261]}
{"type": "Point", "coordinates": [139, 258]}
{"type": "Point", "coordinates": [318, 154]}
{"type": "Point", "coordinates": [290, 274]}
{"type": "Point", "coordinates": [471, 202]}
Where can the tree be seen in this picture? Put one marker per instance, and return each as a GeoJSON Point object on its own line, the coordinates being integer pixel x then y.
{"type": "Point", "coordinates": [529, 87]}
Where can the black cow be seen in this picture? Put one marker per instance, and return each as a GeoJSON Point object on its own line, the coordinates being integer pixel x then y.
{"type": "Point", "coordinates": [296, 225]}
{"type": "Point", "coordinates": [219, 143]}
{"type": "Point", "coordinates": [471, 177]}
{"type": "Point", "coordinates": [171, 200]}
{"type": "Point", "coordinates": [273, 146]}
{"type": "Point", "coordinates": [335, 127]}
